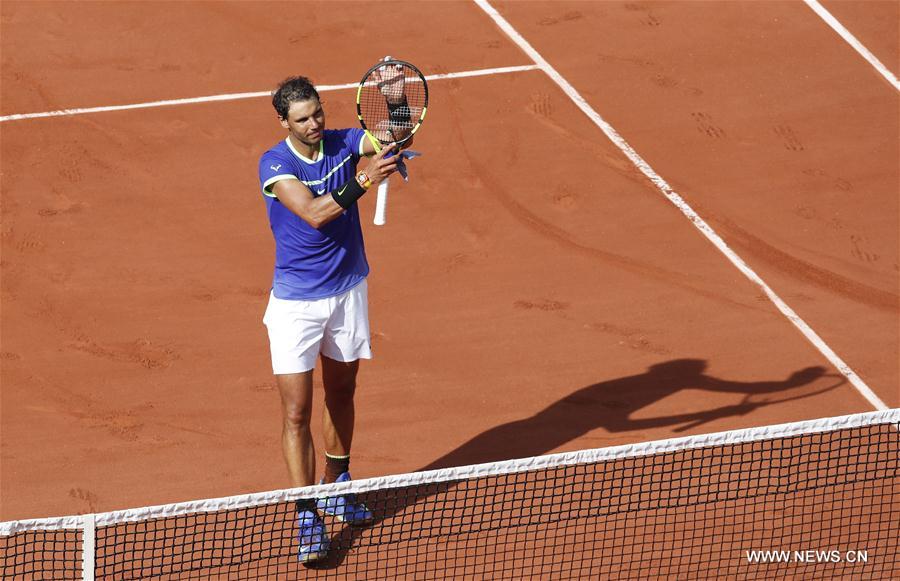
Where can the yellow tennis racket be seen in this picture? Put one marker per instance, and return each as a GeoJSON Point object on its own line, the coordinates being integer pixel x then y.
{"type": "Point", "coordinates": [391, 103]}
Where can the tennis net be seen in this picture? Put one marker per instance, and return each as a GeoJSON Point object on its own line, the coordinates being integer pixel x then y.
{"type": "Point", "coordinates": [811, 500]}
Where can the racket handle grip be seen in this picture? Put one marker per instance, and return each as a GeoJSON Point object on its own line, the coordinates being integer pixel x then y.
{"type": "Point", "coordinates": [381, 203]}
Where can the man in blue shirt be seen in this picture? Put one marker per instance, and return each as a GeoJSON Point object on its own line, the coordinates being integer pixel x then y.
{"type": "Point", "coordinates": [318, 305]}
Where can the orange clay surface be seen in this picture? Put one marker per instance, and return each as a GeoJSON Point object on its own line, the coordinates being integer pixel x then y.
{"type": "Point", "coordinates": [532, 292]}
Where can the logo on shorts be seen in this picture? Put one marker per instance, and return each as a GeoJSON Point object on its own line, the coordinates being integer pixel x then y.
{"type": "Point", "coordinates": [275, 167]}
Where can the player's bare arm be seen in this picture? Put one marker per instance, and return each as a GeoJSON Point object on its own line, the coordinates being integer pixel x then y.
{"type": "Point", "coordinates": [318, 211]}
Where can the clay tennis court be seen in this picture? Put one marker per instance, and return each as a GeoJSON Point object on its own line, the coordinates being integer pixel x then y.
{"type": "Point", "coordinates": [532, 291]}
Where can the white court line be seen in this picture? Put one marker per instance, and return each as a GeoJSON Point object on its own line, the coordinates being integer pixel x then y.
{"type": "Point", "coordinates": [677, 200]}
{"type": "Point", "coordinates": [235, 96]}
{"type": "Point", "coordinates": [852, 41]}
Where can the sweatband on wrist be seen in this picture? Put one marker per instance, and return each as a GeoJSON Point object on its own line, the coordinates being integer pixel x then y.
{"type": "Point", "coordinates": [399, 112]}
{"type": "Point", "coordinates": [347, 194]}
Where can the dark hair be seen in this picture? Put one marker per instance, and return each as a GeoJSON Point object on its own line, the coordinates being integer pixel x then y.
{"type": "Point", "coordinates": [291, 90]}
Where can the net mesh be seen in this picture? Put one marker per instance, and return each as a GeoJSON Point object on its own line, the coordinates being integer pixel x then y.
{"type": "Point", "coordinates": [41, 554]}
{"type": "Point", "coordinates": [763, 504]}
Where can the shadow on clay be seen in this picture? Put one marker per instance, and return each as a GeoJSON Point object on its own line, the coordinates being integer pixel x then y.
{"type": "Point", "coordinates": [609, 405]}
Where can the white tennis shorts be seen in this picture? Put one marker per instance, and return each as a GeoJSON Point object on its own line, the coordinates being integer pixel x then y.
{"type": "Point", "coordinates": [337, 327]}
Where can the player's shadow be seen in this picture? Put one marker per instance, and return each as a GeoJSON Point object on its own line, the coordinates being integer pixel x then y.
{"type": "Point", "coordinates": [609, 405]}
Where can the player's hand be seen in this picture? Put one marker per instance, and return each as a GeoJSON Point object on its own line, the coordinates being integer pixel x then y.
{"type": "Point", "coordinates": [390, 81]}
{"type": "Point", "coordinates": [381, 166]}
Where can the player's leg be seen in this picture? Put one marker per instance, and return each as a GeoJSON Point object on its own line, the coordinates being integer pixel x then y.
{"type": "Point", "coordinates": [299, 455]}
{"type": "Point", "coordinates": [295, 331]}
{"type": "Point", "coordinates": [339, 415]}
{"type": "Point", "coordinates": [339, 378]}
{"type": "Point", "coordinates": [296, 438]}
{"type": "Point", "coordinates": [346, 341]}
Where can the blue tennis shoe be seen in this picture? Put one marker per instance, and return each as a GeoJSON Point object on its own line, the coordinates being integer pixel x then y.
{"type": "Point", "coordinates": [313, 536]}
{"type": "Point", "coordinates": [346, 508]}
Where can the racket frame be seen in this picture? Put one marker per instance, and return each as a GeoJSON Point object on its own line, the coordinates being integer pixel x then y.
{"type": "Point", "coordinates": [381, 199]}
{"type": "Point", "coordinates": [378, 144]}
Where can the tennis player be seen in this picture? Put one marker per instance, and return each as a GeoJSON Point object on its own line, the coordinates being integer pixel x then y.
{"type": "Point", "coordinates": [318, 306]}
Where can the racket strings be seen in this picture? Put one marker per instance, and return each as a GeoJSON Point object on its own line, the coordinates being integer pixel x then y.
{"type": "Point", "coordinates": [379, 88]}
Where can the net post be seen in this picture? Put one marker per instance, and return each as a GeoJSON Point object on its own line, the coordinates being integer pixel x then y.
{"type": "Point", "coordinates": [88, 546]}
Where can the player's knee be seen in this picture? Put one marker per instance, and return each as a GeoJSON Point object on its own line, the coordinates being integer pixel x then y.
{"type": "Point", "coordinates": [341, 393]}
{"type": "Point", "coordinates": [296, 417]}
